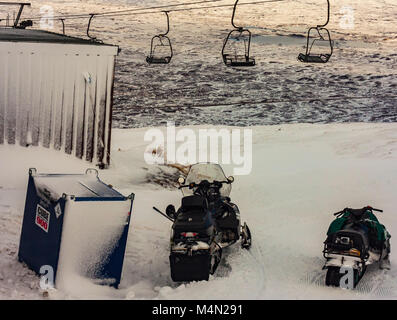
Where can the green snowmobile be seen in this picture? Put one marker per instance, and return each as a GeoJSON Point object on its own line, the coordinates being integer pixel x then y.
{"type": "Point", "coordinates": [355, 239]}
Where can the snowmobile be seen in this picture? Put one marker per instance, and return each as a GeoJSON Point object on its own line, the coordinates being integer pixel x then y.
{"type": "Point", "coordinates": [355, 239]}
{"type": "Point", "coordinates": [206, 223]}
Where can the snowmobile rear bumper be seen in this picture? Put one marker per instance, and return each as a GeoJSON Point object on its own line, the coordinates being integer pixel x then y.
{"type": "Point", "coordinates": [186, 267]}
{"type": "Point", "coordinates": [338, 260]}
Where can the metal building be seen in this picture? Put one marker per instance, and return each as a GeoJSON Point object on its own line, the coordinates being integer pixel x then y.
{"type": "Point", "coordinates": [56, 91]}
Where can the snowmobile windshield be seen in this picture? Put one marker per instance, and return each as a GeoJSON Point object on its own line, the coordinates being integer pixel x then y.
{"type": "Point", "coordinates": [207, 171]}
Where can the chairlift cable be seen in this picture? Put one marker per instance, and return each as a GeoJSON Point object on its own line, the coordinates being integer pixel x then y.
{"type": "Point", "coordinates": [136, 12]}
{"type": "Point", "coordinates": [84, 15]}
{"type": "Point", "coordinates": [200, 8]}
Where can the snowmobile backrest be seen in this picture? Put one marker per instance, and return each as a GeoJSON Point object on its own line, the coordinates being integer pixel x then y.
{"type": "Point", "coordinates": [193, 217]}
{"type": "Point", "coordinates": [194, 202]}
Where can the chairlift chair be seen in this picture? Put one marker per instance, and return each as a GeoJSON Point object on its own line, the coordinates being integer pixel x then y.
{"type": "Point", "coordinates": [322, 38]}
{"type": "Point", "coordinates": [160, 47]}
{"type": "Point", "coordinates": [235, 58]}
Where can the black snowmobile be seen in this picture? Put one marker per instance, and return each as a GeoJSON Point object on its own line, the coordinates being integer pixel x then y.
{"type": "Point", "coordinates": [205, 224]}
{"type": "Point", "coordinates": [355, 239]}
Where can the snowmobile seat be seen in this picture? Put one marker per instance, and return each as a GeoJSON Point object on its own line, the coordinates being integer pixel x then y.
{"type": "Point", "coordinates": [193, 216]}
{"type": "Point", "coordinates": [192, 222]}
{"type": "Point", "coordinates": [194, 203]}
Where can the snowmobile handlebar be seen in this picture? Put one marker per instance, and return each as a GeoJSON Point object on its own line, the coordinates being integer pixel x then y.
{"type": "Point", "coordinates": [214, 183]}
{"type": "Point", "coordinates": [349, 209]}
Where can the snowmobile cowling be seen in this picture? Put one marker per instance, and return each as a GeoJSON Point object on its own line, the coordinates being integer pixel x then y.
{"type": "Point", "coordinates": [371, 219]}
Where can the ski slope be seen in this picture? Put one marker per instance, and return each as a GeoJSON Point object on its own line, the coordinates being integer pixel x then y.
{"type": "Point", "coordinates": [196, 88]}
{"type": "Point", "coordinates": [301, 174]}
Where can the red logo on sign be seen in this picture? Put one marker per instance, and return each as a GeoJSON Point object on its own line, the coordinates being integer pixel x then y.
{"type": "Point", "coordinates": [42, 218]}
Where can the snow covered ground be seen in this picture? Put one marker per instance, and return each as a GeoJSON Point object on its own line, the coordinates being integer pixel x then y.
{"type": "Point", "coordinates": [301, 174]}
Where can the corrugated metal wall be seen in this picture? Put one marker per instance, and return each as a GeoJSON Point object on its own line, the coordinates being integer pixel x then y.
{"type": "Point", "coordinates": [57, 96]}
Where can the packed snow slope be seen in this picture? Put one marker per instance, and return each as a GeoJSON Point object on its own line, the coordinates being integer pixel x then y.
{"type": "Point", "coordinates": [301, 175]}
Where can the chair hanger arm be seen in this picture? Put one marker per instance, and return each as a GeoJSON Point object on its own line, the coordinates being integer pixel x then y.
{"type": "Point", "coordinates": [233, 15]}
{"type": "Point", "coordinates": [328, 16]}
{"type": "Point", "coordinates": [89, 25]}
{"type": "Point", "coordinates": [168, 25]}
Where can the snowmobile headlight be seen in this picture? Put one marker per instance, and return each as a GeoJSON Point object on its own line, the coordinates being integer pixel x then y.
{"type": "Point", "coordinates": [354, 252]}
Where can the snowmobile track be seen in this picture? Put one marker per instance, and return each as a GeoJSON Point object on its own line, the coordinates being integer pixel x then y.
{"type": "Point", "coordinates": [374, 284]}
{"type": "Point", "coordinates": [224, 267]}
{"type": "Point", "coordinates": [259, 262]}
{"type": "Point", "coordinates": [316, 278]}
